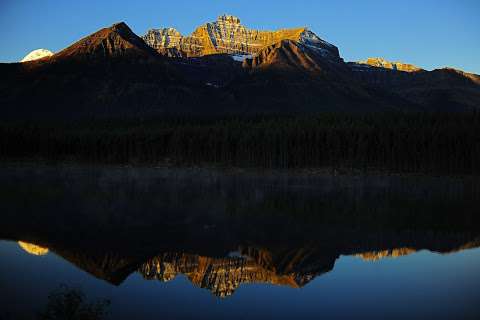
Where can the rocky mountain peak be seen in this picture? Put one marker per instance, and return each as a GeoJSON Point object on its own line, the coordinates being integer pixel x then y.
{"type": "Point", "coordinates": [120, 26]}
{"type": "Point", "coordinates": [227, 35]}
{"type": "Point", "coordinates": [228, 19]}
{"type": "Point", "coordinates": [117, 40]}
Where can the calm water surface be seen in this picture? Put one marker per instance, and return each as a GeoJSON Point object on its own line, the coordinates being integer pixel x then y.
{"type": "Point", "coordinates": [177, 243]}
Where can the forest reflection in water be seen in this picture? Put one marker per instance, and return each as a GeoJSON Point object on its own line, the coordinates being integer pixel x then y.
{"type": "Point", "coordinates": [225, 229]}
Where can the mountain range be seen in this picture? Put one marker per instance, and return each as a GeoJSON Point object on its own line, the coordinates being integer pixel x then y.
{"type": "Point", "coordinates": [221, 68]}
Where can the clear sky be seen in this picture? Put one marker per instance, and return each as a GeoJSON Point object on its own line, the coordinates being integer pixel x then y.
{"type": "Point", "coordinates": [428, 33]}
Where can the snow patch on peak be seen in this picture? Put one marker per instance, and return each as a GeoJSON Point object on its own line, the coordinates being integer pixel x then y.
{"type": "Point", "coordinates": [310, 38]}
{"type": "Point", "coordinates": [37, 54]}
{"type": "Point", "coordinates": [241, 57]}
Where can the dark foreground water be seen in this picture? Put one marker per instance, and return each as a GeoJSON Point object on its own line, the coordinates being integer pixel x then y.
{"type": "Point", "coordinates": [208, 244]}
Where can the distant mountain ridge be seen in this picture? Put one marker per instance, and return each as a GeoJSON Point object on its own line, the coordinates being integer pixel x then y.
{"type": "Point", "coordinates": [382, 63]}
{"type": "Point", "coordinates": [223, 68]}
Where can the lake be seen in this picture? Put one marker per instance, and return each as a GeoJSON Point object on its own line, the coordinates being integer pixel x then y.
{"type": "Point", "coordinates": [198, 243]}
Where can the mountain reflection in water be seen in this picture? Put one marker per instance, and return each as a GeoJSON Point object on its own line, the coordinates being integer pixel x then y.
{"type": "Point", "coordinates": [203, 244]}
{"type": "Point", "coordinates": [294, 267]}
{"type": "Point", "coordinates": [283, 229]}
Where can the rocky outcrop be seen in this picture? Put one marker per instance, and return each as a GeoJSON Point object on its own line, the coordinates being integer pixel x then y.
{"type": "Point", "coordinates": [382, 63]}
{"type": "Point", "coordinates": [228, 35]}
{"type": "Point", "coordinates": [37, 54]}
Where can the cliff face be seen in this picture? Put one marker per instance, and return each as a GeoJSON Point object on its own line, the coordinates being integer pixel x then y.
{"type": "Point", "coordinates": [228, 35]}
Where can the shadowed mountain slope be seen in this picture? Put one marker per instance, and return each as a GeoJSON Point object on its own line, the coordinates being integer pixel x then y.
{"type": "Point", "coordinates": [111, 73]}
{"type": "Point", "coordinates": [115, 41]}
{"type": "Point", "coordinates": [438, 90]}
{"type": "Point", "coordinates": [291, 77]}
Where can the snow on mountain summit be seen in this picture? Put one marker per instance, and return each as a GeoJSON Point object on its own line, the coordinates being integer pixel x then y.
{"type": "Point", "coordinates": [37, 54]}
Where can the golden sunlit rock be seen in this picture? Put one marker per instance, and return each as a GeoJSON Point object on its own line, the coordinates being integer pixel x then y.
{"type": "Point", "coordinates": [33, 248]}
{"type": "Point", "coordinates": [382, 63]}
{"type": "Point", "coordinates": [228, 36]}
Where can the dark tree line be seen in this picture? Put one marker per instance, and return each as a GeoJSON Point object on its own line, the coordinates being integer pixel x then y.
{"type": "Point", "coordinates": [404, 142]}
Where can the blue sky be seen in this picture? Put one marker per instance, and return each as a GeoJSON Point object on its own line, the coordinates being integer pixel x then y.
{"type": "Point", "coordinates": [428, 33]}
